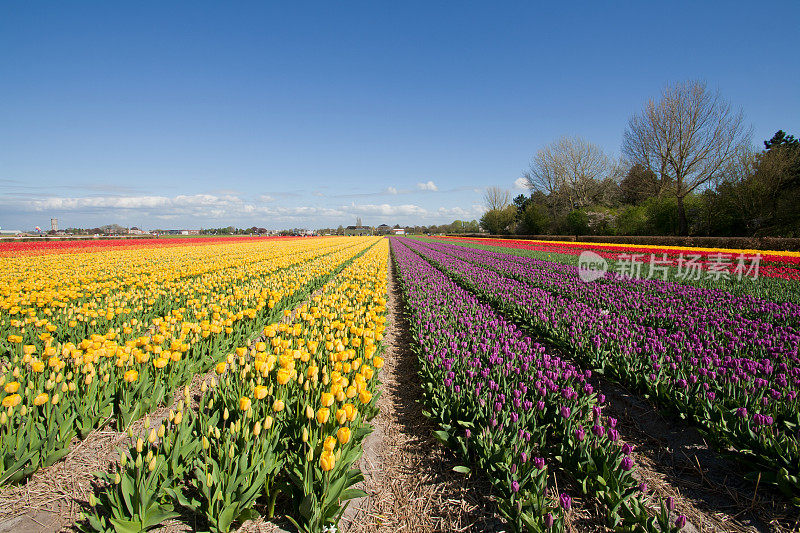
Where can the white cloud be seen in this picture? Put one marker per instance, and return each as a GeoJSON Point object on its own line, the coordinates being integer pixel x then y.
{"type": "Point", "coordinates": [204, 210]}
{"type": "Point", "coordinates": [520, 183]}
{"type": "Point", "coordinates": [391, 190]}
{"type": "Point", "coordinates": [134, 202]}
{"type": "Point", "coordinates": [427, 186]}
{"type": "Point", "coordinates": [103, 202]}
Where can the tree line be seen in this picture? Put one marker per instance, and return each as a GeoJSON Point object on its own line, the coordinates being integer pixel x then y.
{"type": "Point", "coordinates": [688, 167]}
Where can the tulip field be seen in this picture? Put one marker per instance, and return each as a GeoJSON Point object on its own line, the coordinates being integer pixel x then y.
{"type": "Point", "coordinates": [105, 337]}
{"type": "Point", "coordinates": [729, 364]}
{"type": "Point", "coordinates": [242, 375]}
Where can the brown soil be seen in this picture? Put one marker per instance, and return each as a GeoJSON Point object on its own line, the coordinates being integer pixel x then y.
{"type": "Point", "coordinates": [408, 475]}
{"type": "Point", "coordinates": [674, 460]}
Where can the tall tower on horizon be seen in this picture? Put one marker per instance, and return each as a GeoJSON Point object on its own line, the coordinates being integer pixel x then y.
{"type": "Point", "coordinates": [54, 224]}
{"type": "Point", "coordinates": [358, 222]}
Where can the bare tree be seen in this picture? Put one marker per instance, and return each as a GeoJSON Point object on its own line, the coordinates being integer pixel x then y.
{"type": "Point", "coordinates": [496, 198]}
{"type": "Point", "coordinates": [687, 138]}
{"type": "Point", "coordinates": [571, 168]}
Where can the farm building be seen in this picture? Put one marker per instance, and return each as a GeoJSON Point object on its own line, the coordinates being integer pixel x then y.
{"type": "Point", "coordinates": [358, 230]}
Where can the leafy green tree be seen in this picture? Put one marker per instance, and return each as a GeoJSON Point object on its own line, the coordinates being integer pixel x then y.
{"type": "Point", "coordinates": [499, 221]}
{"type": "Point", "coordinates": [532, 219]}
{"type": "Point", "coordinates": [577, 222]}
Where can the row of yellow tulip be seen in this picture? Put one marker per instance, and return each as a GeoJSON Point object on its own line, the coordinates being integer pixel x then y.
{"type": "Point", "coordinates": [127, 372]}
{"type": "Point", "coordinates": [285, 412]}
{"type": "Point", "coordinates": [42, 301]}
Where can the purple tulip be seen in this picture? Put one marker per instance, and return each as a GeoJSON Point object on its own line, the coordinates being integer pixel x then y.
{"type": "Point", "coordinates": [566, 501]}
{"type": "Point", "coordinates": [627, 463]}
{"type": "Point", "coordinates": [626, 449]}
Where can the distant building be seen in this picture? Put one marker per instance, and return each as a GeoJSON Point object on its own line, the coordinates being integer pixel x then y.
{"type": "Point", "coordinates": [10, 232]}
{"type": "Point", "coordinates": [383, 229]}
{"type": "Point", "coordinates": [399, 231]}
{"type": "Point", "coordinates": [135, 231]}
{"type": "Point", "coordinates": [358, 230]}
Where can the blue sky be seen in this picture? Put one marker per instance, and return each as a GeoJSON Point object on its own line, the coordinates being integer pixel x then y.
{"type": "Point", "coordinates": [205, 114]}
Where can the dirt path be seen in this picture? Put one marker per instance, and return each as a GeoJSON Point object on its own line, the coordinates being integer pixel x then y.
{"type": "Point", "coordinates": [674, 460]}
{"type": "Point", "coordinates": [53, 497]}
{"type": "Point", "coordinates": [408, 474]}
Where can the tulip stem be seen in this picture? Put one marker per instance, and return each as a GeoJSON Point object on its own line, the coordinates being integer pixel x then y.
{"type": "Point", "coordinates": [272, 498]}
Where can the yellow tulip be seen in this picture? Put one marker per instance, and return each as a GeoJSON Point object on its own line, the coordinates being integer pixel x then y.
{"type": "Point", "coordinates": [41, 399]}
{"type": "Point", "coordinates": [343, 435]}
{"type": "Point", "coordinates": [327, 461]}
{"type": "Point", "coordinates": [327, 399]}
{"type": "Point", "coordinates": [12, 400]}
{"type": "Point", "coordinates": [283, 376]}
{"type": "Point", "coordinates": [244, 403]}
